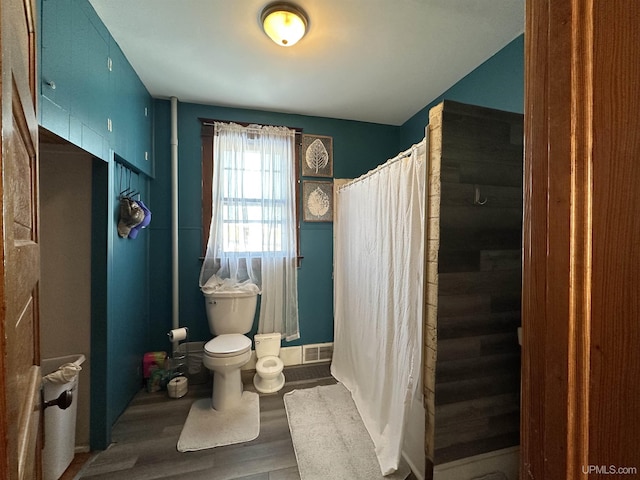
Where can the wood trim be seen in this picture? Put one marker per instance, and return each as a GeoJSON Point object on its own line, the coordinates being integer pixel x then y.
{"type": "Point", "coordinates": [28, 425]}
{"type": "Point", "coordinates": [206, 135]}
{"type": "Point", "coordinates": [614, 363]}
{"type": "Point", "coordinates": [548, 314]}
{"type": "Point", "coordinates": [534, 233]}
{"type": "Point", "coordinates": [30, 14]}
{"type": "Point", "coordinates": [580, 394]}
{"type": "Point", "coordinates": [581, 203]}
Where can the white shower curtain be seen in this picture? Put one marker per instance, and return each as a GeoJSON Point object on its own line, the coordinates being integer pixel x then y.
{"type": "Point", "coordinates": [378, 296]}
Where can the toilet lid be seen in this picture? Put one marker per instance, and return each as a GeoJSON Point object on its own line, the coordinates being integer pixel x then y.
{"type": "Point", "coordinates": [227, 345]}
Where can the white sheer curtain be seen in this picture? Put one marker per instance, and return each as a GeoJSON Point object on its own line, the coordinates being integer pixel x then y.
{"type": "Point", "coordinates": [253, 224]}
{"type": "Point", "coordinates": [378, 297]}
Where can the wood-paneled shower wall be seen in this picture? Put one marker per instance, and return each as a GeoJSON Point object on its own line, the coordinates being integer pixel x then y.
{"type": "Point", "coordinates": [473, 288]}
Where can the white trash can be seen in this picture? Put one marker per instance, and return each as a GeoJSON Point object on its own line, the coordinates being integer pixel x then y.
{"type": "Point", "coordinates": [59, 425]}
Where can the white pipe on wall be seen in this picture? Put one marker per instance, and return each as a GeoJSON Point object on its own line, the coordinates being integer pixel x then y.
{"type": "Point", "coordinates": [175, 318]}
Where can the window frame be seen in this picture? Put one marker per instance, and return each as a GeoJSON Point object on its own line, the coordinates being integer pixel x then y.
{"type": "Point", "coordinates": [207, 139]}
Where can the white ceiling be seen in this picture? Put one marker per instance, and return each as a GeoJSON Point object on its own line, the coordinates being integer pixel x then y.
{"type": "Point", "coordinates": [376, 61]}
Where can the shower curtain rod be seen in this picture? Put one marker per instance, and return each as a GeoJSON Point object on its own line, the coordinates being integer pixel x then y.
{"type": "Point", "coordinates": [388, 163]}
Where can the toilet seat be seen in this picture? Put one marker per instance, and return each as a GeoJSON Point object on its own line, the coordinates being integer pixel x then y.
{"type": "Point", "coordinates": [269, 365]}
{"type": "Point", "coordinates": [228, 345]}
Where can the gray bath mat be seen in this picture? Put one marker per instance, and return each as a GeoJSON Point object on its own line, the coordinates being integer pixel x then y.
{"type": "Point", "coordinates": [208, 428]}
{"type": "Point", "coordinates": [329, 438]}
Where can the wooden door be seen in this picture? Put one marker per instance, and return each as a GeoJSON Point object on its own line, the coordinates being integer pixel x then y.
{"type": "Point", "coordinates": [20, 267]}
{"type": "Point", "coordinates": [581, 277]}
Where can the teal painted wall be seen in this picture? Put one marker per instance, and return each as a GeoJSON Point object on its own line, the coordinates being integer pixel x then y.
{"type": "Point", "coordinates": [120, 301]}
{"type": "Point", "coordinates": [73, 52]}
{"type": "Point", "coordinates": [497, 83]}
{"type": "Point", "coordinates": [128, 305]}
{"type": "Point", "coordinates": [357, 147]}
{"type": "Point", "coordinates": [89, 93]}
{"type": "Point", "coordinates": [100, 423]}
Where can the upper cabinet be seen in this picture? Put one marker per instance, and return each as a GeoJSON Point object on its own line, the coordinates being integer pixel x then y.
{"type": "Point", "coordinates": [55, 65]}
{"type": "Point", "coordinates": [131, 117]}
{"type": "Point", "coordinates": [89, 93]}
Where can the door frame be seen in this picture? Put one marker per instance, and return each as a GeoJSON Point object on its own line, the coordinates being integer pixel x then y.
{"type": "Point", "coordinates": [581, 259]}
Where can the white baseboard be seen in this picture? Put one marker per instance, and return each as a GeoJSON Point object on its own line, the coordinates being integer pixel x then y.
{"type": "Point", "coordinates": [291, 356]}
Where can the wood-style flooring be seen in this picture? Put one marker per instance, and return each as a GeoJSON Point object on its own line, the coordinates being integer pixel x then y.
{"type": "Point", "coordinates": [145, 437]}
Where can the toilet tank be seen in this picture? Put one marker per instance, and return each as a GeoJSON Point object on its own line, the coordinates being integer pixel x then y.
{"type": "Point", "coordinates": [230, 312]}
{"type": "Point", "coordinates": [267, 344]}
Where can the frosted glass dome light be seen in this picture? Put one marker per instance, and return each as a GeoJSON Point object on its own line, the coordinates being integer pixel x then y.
{"type": "Point", "coordinates": [284, 23]}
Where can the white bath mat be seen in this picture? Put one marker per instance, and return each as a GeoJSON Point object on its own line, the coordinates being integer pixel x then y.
{"type": "Point", "coordinates": [329, 437]}
{"type": "Point", "coordinates": [208, 428]}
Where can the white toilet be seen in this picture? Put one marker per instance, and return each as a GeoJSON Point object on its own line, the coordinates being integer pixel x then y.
{"type": "Point", "coordinates": [230, 315]}
{"type": "Point", "coordinates": [269, 377]}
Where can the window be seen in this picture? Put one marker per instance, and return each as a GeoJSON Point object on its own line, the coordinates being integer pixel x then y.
{"type": "Point", "coordinates": [250, 199]}
{"type": "Point", "coordinates": [246, 232]}
{"type": "Point", "coordinates": [252, 212]}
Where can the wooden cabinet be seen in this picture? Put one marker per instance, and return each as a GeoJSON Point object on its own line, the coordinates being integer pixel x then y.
{"type": "Point", "coordinates": [89, 93]}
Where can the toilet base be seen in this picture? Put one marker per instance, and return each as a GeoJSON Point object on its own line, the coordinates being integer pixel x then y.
{"type": "Point", "coordinates": [227, 390]}
{"type": "Point", "coordinates": [272, 385]}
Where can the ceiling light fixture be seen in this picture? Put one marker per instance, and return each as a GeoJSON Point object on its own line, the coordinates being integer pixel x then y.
{"type": "Point", "coordinates": [284, 23]}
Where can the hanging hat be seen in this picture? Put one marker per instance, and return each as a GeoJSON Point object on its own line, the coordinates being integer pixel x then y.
{"type": "Point", "coordinates": [130, 215]}
{"type": "Point", "coordinates": [145, 222]}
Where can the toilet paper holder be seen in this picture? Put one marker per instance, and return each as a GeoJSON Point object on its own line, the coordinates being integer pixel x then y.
{"type": "Point", "coordinates": [178, 359]}
{"type": "Point", "coordinates": [178, 334]}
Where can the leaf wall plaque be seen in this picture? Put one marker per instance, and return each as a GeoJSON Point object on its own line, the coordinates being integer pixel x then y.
{"type": "Point", "coordinates": [317, 156]}
{"type": "Point", "coordinates": [317, 201]}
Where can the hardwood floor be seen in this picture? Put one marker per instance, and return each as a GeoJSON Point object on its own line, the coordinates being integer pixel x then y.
{"type": "Point", "coordinates": [145, 438]}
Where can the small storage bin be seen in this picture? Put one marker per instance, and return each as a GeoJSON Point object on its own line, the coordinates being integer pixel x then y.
{"type": "Point", "coordinates": [59, 425]}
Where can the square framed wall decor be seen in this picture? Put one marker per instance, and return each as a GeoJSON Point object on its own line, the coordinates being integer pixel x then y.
{"type": "Point", "coordinates": [317, 201]}
{"type": "Point", "coordinates": [317, 156]}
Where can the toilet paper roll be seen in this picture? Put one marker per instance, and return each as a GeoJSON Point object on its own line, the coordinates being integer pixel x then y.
{"type": "Point", "coordinates": [178, 387]}
{"type": "Point", "coordinates": [178, 334]}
